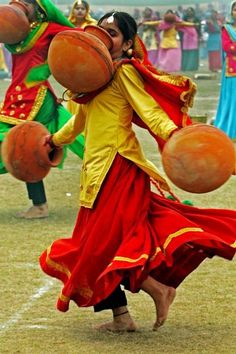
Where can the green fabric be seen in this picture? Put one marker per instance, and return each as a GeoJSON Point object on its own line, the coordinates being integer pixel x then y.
{"type": "Point", "coordinates": [53, 117]}
{"type": "Point", "coordinates": [38, 74]}
{"type": "Point", "coordinates": [186, 202]}
{"type": "Point", "coordinates": [52, 14]}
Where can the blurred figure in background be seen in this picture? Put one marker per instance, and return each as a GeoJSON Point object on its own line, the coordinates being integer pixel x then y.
{"type": "Point", "coordinates": [150, 35]}
{"type": "Point", "coordinates": [8, 60]}
{"type": "Point", "coordinates": [169, 53]}
{"type": "Point", "coordinates": [80, 14]}
{"type": "Point", "coordinates": [213, 28]}
{"type": "Point", "coordinates": [3, 66]}
{"type": "Point", "coordinates": [190, 42]}
{"type": "Point", "coordinates": [225, 116]}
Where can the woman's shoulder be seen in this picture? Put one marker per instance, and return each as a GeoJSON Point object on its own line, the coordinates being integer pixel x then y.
{"type": "Point", "coordinates": [127, 68]}
{"type": "Point", "coordinates": [127, 72]}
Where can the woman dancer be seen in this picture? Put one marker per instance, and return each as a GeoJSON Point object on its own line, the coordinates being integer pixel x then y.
{"type": "Point", "coordinates": [125, 233]}
{"type": "Point", "coordinates": [225, 116]}
{"type": "Point", "coordinates": [30, 96]}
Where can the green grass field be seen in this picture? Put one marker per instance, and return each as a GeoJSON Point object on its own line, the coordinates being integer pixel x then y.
{"type": "Point", "coordinates": [202, 319]}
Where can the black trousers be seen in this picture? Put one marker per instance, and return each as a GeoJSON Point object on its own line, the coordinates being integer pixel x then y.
{"type": "Point", "coordinates": [36, 192]}
{"type": "Point", "coordinates": [116, 299]}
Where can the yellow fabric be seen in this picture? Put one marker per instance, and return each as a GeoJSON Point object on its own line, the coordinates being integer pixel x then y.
{"type": "Point", "coordinates": [72, 107]}
{"type": "Point", "coordinates": [106, 121]}
{"type": "Point", "coordinates": [169, 39]}
{"type": "Point", "coordinates": [2, 61]}
{"type": "Point", "coordinates": [88, 19]}
{"type": "Point", "coordinates": [89, 22]}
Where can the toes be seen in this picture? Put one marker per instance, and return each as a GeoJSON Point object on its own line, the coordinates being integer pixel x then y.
{"type": "Point", "coordinates": [158, 324]}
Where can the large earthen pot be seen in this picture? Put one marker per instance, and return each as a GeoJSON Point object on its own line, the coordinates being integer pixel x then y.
{"type": "Point", "coordinates": [170, 18]}
{"type": "Point", "coordinates": [14, 24]}
{"type": "Point", "coordinates": [25, 154]}
{"type": "Point", "coordinates": [80, 60]}
{"type": "Point", "coordinates": [199, 158]}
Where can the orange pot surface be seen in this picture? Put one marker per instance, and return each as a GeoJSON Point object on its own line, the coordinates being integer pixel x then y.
{"type": "Point", "coordinates": [199, 158]}
{"type": "Point", "coordinates": [79, 61]}
{"type": "Point", "coordinates": [24, 154]}
{"type": "Point", "coordinates": [14, 24]}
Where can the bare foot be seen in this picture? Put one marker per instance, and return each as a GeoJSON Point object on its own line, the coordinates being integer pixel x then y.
{"type": "Point", "coordinates": [123, 323]}
{"type": "Point", "coordinates": [162, 306]}
{"type": "Point", "coordinates": [163, 297]}
{"type": "Point", "coordinates": [34, 212]}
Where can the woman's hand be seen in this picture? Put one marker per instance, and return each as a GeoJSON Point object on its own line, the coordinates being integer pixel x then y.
{"type": "Point", "coordinates": [48, 142]}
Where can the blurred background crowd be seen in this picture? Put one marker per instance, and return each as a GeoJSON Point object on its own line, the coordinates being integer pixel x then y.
{"type": "Point", "coordinates": [178, 38]}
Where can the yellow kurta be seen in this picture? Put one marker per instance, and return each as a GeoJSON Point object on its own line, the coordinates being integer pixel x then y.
{"type": "Point", "coordinates": [107, 123]}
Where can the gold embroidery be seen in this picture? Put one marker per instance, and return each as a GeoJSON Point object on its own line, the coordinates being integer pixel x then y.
{"type": "Point", "coordinates": [19, 97]}
{"type": "Point", "coordinates": [177, 80]}
{"type": "Point", "coordinates": [234, 244]}
{"type": "Point", "coordinates": [64, 298]}
{"type": "Point", "coordinates": [13, 105]}
{"type": "Point", "coordinates": [22, 105]}
{"type": "Point", "coordinates": [87, 293]}
{"type": "Point", "coordinates": [34, 39]}
{"type": "Point", "coordinates": [12, 113]}
{"type": "Point", "coordinates": [129, 260]}
{"type": "Point", "coordinates": [18, 88]}
{"type": "Point", "coordinates": [10, 120]}
{"type": "Point", "coordinates": [181, 232]}
{"type": "Point", "coordinates": [12, 98]}
{"type": "Point", "coordinates": [37, 102]}
{"type": "Point", "coordinates": [22, 115]}
{"type": "Point", "coordinates": [158, 250]}
{"type": "Point", "coordinates": [55, 265]}
{"type": "Point", "coordinates": [228, 72]}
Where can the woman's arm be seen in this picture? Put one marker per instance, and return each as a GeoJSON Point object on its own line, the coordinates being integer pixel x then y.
{"type": "Point", "coordinates": [132, 87]}
{"type": "Point", "coordinates": [151, 23]}
{"type": "Point", "coordinates": [70, 130]}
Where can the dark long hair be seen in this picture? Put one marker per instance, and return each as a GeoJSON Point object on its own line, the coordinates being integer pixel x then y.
{"type": "Point", "coordinates": [124, 21]}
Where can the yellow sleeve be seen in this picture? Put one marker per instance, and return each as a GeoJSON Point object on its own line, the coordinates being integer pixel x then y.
{"type": "Point", "coordinates": [151, 23]}
{"type": "Point", "coordinates": [132, 87]}
{"type": "Point", "coordinates": [68, 133]}
{"type": "Point", "coordinates": [187, 24]}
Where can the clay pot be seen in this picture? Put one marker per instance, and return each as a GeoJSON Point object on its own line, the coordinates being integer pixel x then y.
{"type": "Point", "coordinates": [170, 18]}
{"type": "Point", "coordinates": [199, 158]}
{"type": "Point", "coordinates": [80, 61]}
{"type": "Point", "coordinates": [25, 155]}
{"type": "Point", "coordinates": [14, 23]}
{"type": "Point", "coordinates": [101, 34]}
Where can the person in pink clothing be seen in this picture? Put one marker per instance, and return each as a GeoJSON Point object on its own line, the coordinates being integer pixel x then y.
{"type": "Point", "coordinates": [169, 54]}
{"type": "Point", "coordinates": [190, 42]}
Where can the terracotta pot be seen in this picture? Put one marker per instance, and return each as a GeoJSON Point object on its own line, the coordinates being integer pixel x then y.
{"type": "Point", "coordinates": [24, 154]}
{"type": "Point", "coordinates": [170, 18]}
{"type": "Point", "coordinates": [80, 61]}
{"type": "Point", "coordinates": [14, 23]}
{"type": "Point", "coordinates": [101, 34]}
{"type": "Point", "coordinates": [199, 158]}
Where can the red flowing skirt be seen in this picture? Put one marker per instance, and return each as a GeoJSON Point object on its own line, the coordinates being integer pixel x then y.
{"type": "Point", "coordinates": [132, 232]}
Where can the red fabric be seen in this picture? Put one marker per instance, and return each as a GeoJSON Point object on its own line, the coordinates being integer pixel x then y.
{"type": "Point", "coordinates": [131, 222]}
{"type": "Point", "coordinates": [215, 61]}
{"type": "Point", "coordinates": [19, 99]}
